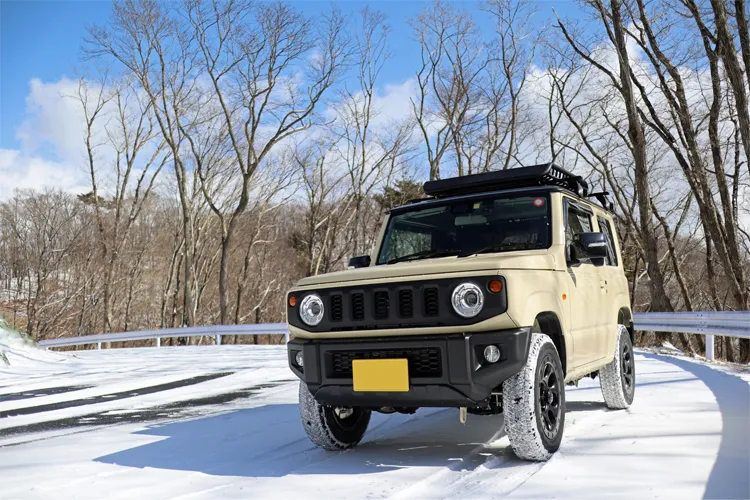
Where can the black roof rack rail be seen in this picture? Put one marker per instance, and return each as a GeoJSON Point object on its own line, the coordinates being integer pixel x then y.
{"type": "Point", "coordinates": [603, 198]}
{"type": "Point", "coordinates": [547, 174]}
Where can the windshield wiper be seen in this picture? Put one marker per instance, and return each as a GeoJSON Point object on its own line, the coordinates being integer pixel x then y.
{"type": "Point", "coordinates": [424, 254]}
{"type": "Point", "coordinates": [502, 248]}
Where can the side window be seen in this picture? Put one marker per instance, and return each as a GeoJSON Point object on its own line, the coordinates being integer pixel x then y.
{"type": "Point", "coordinates": [606, 228]}
{"type": "Point", "coordinates": [578, 221]}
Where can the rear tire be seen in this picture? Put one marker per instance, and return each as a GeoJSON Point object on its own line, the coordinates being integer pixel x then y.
{"type": "Point", "coordinates": [534, 402]}
{"type": "Point", "coordinates": [329, 427]}
{"type": "Point", "coordinates": [617, 379]}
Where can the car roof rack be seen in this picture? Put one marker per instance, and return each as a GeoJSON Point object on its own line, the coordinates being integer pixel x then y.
{"type": "Point", "coordinates": [603, 198]}
{"type": "Point", "coordinates": [547, 174]}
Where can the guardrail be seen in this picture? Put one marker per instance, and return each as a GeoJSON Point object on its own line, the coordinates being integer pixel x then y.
{"type": "Point", "coordinates": [728, 323]}
{"type": "Point", "coordinates": [216, 331]}
{"type": "Point", "coordinates": [708, 323]}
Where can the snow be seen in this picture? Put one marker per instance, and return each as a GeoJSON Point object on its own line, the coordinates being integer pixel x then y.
{"type": "Point", "coordinates": [685, 436]}
{"type": "Point", "coordinates": [21, 352]}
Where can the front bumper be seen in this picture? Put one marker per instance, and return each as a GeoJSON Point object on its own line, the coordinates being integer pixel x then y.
{"type": "Point", "coordinates": [444, 370]}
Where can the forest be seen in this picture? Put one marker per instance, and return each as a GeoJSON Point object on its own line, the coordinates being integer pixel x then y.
{"type": "Point", "coordinates": [233, 146]}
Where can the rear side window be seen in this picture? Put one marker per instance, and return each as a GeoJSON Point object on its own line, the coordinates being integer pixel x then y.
{"type": "Point", "coordinates": [606, 228]}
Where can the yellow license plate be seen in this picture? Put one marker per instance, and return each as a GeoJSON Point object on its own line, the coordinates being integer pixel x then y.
{"type": "Point", "coordinates": [380, 375]}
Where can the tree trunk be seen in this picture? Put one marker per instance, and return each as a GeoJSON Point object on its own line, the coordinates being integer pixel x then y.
{"type": "Point", "coordinates": [188, 312]}
{"type": "Point", "coordinates": [659, 299]}
{"type": "Point", "coordinates": [107, 293]}
{"type": "Point", "coordinates": [226, 244]}
{"type": "Point", "coordinates": [742, 25]}
{"type": "Point", "coordinates": [726, 48]}
{"type": "Point", "coordinates": [257, 321]}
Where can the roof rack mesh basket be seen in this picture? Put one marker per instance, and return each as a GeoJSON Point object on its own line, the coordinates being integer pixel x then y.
{"type": "Point", "coordinates": [547, 174]}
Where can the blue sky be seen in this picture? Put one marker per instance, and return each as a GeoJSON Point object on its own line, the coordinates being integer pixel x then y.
{"type": "Point", "coordinates": [42, 39]}
{"type": "Point", "coordinates": [40, 48]}
{"type": "Point", "coordinates": [38, 39]}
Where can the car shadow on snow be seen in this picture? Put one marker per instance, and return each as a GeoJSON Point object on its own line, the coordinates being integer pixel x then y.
{"type": "Point", "coordinates": [269, 441]}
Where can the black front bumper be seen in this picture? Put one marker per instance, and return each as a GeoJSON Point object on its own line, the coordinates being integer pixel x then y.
{"type": "Point", "coordinates": [444, 370]}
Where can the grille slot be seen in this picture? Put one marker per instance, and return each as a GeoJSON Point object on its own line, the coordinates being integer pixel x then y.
{"type": "Point", "coordinates": [337, 308]}
{"type": "Point", "coordinates": [406, 303]}
{"type": "Point", "coordinates": [431, 305]}
{"type": "Point", "coordinates": [423, 362]}
{"type": "Point", "coordinates": [358, 306]}
{"type": "Point", "coordinates": [382, 305]}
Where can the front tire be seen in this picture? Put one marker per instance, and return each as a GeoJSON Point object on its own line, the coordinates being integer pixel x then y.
{"type": "Point", "coordinates": [534, 402]}
{"type": "Point", "coordinates": [330, 427]}
{"type": "Point", "coordinates": [617, 379]}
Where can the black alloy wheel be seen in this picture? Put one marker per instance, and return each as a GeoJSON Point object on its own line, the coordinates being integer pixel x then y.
{"type": "Point", "coordinates": [548, 401]}
{"type": "Point", "coordinates": [628, 367]}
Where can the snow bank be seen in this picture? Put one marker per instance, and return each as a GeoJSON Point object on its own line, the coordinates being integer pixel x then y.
{"type": "Point", "coordinates": [19, 350]}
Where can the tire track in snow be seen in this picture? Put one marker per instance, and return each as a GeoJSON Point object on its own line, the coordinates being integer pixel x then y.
{"type": "Point", "coordinates": [172, 411]}
{"type": "Point", "coordinates": [115, 396]}
{"type": "Point", "coordinates": [35, 393]}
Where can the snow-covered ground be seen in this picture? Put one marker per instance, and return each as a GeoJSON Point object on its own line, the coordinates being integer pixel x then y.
{"type": "Point", "coordinates": [222, 422]}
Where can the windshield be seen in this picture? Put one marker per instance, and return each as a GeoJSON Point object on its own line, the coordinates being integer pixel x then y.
{"type": "Point", "coordinates": [463, 227]}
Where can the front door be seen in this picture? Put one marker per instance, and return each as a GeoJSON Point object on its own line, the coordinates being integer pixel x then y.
{"type": "Point", "coordinates": [586, 289]}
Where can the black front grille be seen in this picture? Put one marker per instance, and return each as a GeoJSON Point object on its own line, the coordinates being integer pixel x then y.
{"type": "Point", "coordinates": [358, 306]}
{"type": "Point", "coordinates": [406, 303]}
{"type": "Point", "coordinates": [337, 307]}
{"type": "Point", "coordinates": [382, 305]}
{"type": "Point", "coordinates": [397, 305]}
{"type": "Point", "coordinates": [431, 304]}
{"type": "Point", "coordinates": [423, 362]}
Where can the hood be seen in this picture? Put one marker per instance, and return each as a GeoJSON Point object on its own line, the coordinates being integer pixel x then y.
{"type": "Point", "coordinates": [530, 260]}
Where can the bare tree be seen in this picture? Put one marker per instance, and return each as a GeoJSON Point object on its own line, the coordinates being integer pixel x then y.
{"type": "Point", "coordinates": [373, 153]}
{"type": "Point", "coordinates": [115, 151]}
{"type": "Point", "coordinates": [251, 52]}
{"type": "Point", "coordinates": [453, 61]}
{"type": "Point", "coordinates": [612, 19]}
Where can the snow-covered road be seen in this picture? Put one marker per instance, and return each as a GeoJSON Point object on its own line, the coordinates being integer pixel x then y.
{"type": "Point", "coordinates": [222, 422]}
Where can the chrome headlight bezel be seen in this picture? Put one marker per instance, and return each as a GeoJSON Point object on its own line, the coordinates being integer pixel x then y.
{"type": "Point", "coordinates": [471, 307]}
{"type": "Point", "coordinates": [307, 309]}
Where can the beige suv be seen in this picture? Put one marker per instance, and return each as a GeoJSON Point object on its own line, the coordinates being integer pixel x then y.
{"type": "Point", "coordinates": [488, 296]}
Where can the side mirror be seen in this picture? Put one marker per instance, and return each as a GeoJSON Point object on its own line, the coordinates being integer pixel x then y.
{"type": "Point", "coordinates": [361, 261]}
{"type": "Point", "coordinates": [592, 246]}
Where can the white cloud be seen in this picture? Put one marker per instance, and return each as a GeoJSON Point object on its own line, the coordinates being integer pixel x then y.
{"type": "Point", "coordinates": [20, 171]}
{"type": "Point", "coordinates": [54, 120]}
{"type": "Point", "coordinates": [52, 148]}
{"type": "Point", "coordinates": [52, 136]}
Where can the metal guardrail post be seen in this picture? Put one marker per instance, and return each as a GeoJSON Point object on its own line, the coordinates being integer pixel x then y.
{"type": "Point", "coordinates": [98, 345]}
{"type": "Point", "coordinates": [218, 339]}
{"type": "Point", "coordinates": [286, 337]}
{"type": "Point", "coordinates": [158, 341]}
{"type": "Point", "coordinates": [709, 347]}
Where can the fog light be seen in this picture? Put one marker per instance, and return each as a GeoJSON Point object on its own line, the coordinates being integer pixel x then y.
{"type": "Point", "coordinates": [301, 360]}
{"type": "Point", "coordinates": [492, 354]}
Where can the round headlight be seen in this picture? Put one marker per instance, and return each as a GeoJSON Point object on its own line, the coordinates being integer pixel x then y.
{"type": "Point", "coordinates": [311, 310]}
{"type": "Point", "coordinates": [467, 300]}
